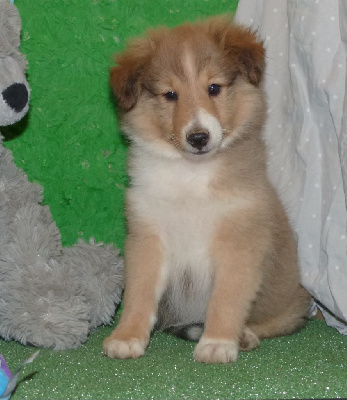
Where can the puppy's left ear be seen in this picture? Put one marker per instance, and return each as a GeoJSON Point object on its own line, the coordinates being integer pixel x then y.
{"type": "Point", "coordinates": [250, 54]}
{"type": "Point", "coordinates": [241, 47]}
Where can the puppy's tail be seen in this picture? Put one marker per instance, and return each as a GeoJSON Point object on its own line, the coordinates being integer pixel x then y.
{"type": "Point", "coordinates": [190, 332]}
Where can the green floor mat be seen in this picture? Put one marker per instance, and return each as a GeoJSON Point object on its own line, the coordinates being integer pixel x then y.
{"type": "Point", "coordinates": [310, 364]}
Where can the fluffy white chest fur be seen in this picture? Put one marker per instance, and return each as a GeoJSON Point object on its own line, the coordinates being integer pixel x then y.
{"type": "Point", "coordinates": [176, 198]}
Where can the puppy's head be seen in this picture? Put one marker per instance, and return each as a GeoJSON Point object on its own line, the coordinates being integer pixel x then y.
{"type": "Point", "coordinates": [192, 90]}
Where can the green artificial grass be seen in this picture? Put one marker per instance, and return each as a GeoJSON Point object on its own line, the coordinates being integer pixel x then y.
{"type": "Point", "coordinates": [310, 364]}
{"type": "Point", "coordinates": [70, 143]}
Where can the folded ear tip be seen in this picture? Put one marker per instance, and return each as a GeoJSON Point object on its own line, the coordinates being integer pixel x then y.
{"type": "Point", "coordinates": [244, 44]}
{"type": "Point", "coordinates": [124, 84]}
{"type": "Point", "coordinates": [126, 75]}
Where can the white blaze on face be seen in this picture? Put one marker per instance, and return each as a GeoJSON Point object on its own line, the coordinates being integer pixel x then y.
{"type": "Point", "coordinates": [189, 65]}
{"type": "Point", "coordinates": [204, 121]}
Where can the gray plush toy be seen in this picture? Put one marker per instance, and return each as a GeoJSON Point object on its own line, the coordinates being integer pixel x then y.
{"type": "Point", "coordinates": [50, 296]}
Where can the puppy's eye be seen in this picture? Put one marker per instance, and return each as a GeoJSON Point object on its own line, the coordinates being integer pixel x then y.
{"type": "Point", "coordinates": [171, 96]}
{"type": "Point", "coordinates": [214, 89]}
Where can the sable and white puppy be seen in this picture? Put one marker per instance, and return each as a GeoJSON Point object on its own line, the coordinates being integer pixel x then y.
{"type": "Point", "coordinates": [209, 253]}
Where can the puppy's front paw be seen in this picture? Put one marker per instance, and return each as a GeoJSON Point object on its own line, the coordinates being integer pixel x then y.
{"type": "Point", "coordinates": [132, 348]}
{"type": "Point", "coordinates": [216, 351]}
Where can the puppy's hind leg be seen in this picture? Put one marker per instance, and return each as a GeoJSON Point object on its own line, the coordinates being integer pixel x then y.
{"type": "Point", "coordinates": [249, 340]}
{"type": "Point", "coordinates": [289, 321]}
{"type": "Point", "coordinates": [143, 259]}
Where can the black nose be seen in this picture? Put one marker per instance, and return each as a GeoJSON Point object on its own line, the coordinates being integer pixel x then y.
{"type": "Point", "coordinates": [198, 139]}
{"type": "Point", "coordinates": [16, 96]}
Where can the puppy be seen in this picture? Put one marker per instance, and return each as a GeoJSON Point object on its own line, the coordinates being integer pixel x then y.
{"type": "Point", "coordinates": [209, 253]}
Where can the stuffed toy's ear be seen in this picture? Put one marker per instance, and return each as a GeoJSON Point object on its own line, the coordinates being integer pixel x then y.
{"type": "Point", "coordinates": [241, 46]}
{"type": "Point", "coordinates": [126, 77]}
{"type": "Point", "coordinates": [14, 92]}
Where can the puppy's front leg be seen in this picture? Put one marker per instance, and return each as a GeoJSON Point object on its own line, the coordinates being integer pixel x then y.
{"type": "Point", "coordinates": [143, 256]}
{"type": "Point", "coordinates": [236, 282]}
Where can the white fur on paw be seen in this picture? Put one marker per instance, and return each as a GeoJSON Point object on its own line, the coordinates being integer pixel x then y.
{"type": "Point", "coordinates": [216, 351]}
{"type": "Point", "coordinates": [132, 348]}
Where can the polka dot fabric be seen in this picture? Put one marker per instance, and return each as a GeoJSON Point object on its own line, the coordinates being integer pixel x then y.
{"type": "Point", "coordinates": [306, 134]}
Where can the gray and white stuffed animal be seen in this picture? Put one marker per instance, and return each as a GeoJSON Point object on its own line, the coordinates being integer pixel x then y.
{"type": "Point", "coordinates": [14, 88]}
{"type": "Point", "coordinates": [50, 296]}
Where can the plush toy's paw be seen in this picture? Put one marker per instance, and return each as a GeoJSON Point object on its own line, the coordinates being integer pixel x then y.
{"type": "Point", "coordinates": [132, 348]}
{"type": "Point", "coordinates": [249, 340]}
{"type": "Point", "coordinates": [216, 351]}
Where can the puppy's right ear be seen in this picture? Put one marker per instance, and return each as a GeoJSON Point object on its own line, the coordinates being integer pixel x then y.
{"type": "Point", "coordinates": [125, 78]}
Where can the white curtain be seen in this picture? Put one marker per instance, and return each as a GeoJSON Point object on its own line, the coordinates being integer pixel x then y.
{"type": "Point", "coordinates": [306, 133]}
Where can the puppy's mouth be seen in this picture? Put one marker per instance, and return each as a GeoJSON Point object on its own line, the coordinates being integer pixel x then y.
{"type": "Point", "coordinates": [200, 152]}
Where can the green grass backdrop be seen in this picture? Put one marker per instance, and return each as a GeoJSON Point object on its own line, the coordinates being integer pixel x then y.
{"type": "Point", "coordinates": [70, 142]}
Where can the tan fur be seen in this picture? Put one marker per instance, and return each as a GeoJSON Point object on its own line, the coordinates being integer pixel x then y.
{"type": "Point", "coordinates": [208, 239]}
